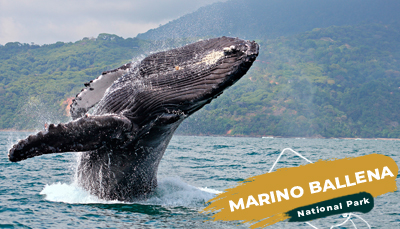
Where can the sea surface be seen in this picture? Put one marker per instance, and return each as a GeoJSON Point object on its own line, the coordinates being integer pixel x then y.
{"type": "Point", "coordinates": [41, 192]}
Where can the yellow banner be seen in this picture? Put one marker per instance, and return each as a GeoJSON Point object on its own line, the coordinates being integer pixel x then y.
{"type": "Point", "coordinates": [265, 199]}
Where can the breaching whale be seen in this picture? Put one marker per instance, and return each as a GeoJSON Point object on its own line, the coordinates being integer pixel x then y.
{"type": "Point", "coordinates": [135, 110]}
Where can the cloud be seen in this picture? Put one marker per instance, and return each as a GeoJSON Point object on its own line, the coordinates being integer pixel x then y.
{"type": "Point", "coordinates": [49, 21]}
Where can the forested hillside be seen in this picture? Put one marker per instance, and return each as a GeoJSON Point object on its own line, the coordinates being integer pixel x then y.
{"type": "Point", "coordinates": [38, 82]}
{"type": "Point", "coordinates": [330, 82]}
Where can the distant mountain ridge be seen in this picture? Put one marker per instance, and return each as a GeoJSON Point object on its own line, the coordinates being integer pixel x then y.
{"type": "Point", "coordinates": [266, 19]}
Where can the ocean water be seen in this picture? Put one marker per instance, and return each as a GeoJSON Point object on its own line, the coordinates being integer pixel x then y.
{"type": "Point", "coordinates": [41, 192]}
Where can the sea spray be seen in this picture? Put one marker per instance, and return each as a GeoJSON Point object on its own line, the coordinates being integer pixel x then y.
{"type": "Point", "coordinates": [171, 191]}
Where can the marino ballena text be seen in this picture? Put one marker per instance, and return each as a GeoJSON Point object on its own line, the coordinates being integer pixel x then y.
{"type": "Point", "coordinates": [314, 187]}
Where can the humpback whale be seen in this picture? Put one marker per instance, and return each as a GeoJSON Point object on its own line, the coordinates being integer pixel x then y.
{"type": "Point", "coordinates": [124, 119]}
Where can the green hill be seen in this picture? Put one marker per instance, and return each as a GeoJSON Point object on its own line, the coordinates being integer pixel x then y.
{"type": "Point", "coordinates": [330, 82]}
{"type": "Point", "coordinates": [36, 81]}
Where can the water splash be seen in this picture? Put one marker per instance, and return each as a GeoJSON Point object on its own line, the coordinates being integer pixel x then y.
{"type": "Point", "coordinates": [170, 192]}
{"type": "Point", "coordinates": [70, 193]}
{"type": "Point", "coordinates": [35, 113]}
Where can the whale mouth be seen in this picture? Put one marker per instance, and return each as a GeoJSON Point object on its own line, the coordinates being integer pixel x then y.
{"type": "Point", "coordinates": [252, 51]}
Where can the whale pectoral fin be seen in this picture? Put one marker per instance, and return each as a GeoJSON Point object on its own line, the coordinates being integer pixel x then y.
{"type": "Point", "coordinates": [95, 89]}
{"type": "Point", "coordinates": [84, 134]}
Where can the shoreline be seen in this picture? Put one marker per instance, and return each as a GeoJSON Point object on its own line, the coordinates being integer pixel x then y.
{"type": "Point", "coordinates": [244, 136]}
{"type": "Point", "coordinates": [272, 137]}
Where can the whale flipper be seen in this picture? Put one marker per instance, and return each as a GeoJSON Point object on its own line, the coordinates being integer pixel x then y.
{"type": "Point", "coordinates": [83, 134]}
{"type": "Point", "coordinates": [95, 89]}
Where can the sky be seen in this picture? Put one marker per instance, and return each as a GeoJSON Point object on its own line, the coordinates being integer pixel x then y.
{"type": "Point", "coordinates": [49, 21]}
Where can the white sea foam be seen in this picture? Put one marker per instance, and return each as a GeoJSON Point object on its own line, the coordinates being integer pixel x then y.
{"type": "Point", "coordinates": [170, 192]}
{"type": "Point", "coordinates": [70, 193]}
